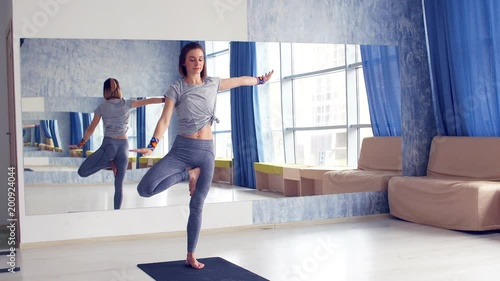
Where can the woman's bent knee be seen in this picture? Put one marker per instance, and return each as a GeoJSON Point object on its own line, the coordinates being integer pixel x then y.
{"type": "Point", "coordinates": [83, 174]}
{"type": "Point", "coordinates": [144, 192]}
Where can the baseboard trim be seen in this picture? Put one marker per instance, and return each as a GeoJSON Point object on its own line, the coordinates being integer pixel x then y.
{"type": "Point", "coordinates": [204, 232]}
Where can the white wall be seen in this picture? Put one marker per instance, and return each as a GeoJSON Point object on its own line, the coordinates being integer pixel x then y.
{"type": "Point", "coordinates": [131, 19]}
{"type": "Point", "coordinates": [5, 17]}
{"type": "Point", "coordinates": [119, 19]}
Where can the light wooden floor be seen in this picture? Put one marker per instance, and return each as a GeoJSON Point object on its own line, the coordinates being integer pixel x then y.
{"type": "Point", "coordinates": [366, 249]}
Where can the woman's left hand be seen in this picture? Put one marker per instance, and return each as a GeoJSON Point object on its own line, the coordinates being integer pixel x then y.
{"type": "Point", "coordinates": [143, 151]}
{"type": "Point", "coordinates": [267, 76]}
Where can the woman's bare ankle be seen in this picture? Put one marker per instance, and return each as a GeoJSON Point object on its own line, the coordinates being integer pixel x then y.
{"type": "Point", "coordinates": [193, 179]}
{"type": "Point", "coordinates": [193, 262]}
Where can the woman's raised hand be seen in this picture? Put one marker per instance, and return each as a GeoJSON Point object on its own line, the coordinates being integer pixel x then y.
{"type": "Point", "coordinates": [267, 76]}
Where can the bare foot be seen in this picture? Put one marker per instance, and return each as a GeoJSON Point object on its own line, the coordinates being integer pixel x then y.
{"type": "Point", "coordinates": [113, 167]}
{"type": "Point", "coordinates": [193, 179]}
{"type": "Point", "coordinates": [191, 260]}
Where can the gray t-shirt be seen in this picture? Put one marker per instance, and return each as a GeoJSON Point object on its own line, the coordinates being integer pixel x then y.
{"type": "Point", "coordinates": [115, 116]}
{"type": "Point", "coordinates": [194, 104]}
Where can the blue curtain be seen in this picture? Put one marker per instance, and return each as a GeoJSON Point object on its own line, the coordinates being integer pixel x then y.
{"type": "Point", "coordinates": [464, 43]}
{"type": "Point", "coordinates": [26, 135]}
{"type": "Point", "coordinates": [141, 130]}
{"type": "Point", "coordinates": [245, 151]}
{"type": "Point", "coordinates": [76, 127]}
{"type": "Point", "coordinates": [44, 126]}
{"type": "Point", "coordinates": [33, 135]}
{"type": "Point", "coordinates": [37, 135]}
{"type": "Point", "coordinates": [54, 130]}
{"type": "Point", "coordinates": [381, 71]}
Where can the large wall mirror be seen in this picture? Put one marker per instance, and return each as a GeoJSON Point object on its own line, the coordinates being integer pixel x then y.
{"type": "Point", "coordinates": [62, 78]}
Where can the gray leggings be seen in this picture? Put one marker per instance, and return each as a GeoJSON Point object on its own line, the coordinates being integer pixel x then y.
{"type": "Point", "coordinates": [171, 170]}
{"type": "Point", "coordinates": [111, 150]}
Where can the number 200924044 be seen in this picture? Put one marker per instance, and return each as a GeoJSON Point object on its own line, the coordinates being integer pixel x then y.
{"type": "Point", "coordinates": [12, 218]}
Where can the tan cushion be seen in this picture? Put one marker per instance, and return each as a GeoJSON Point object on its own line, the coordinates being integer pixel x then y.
{"type": "Point", "coordinates": [348, 181]}
{"type": "Point", "coordinates": [317, 172]}
{"type": "Point", "coordinates": [274, 168]}
{"type": "Point", "coordinates": [149, 159]}
{"type": "Point", "coordinates": [451, 204]}
{"type": "Point", "coordinates": [380, 153]}
{"type": "Point", "coordinates": [465, 157]}
{"type": "Point", "coordinates": [223, 163]}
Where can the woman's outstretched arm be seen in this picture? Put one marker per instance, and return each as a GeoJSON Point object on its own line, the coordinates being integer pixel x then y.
{"type": "Point", "coordinates": [143, 102]}
{"type": "Point", "coordinates": [229, 83]}
{"type": "Point", "coordinates": [161, 126]}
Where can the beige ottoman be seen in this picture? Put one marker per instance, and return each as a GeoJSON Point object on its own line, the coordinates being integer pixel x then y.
{"type": "Point", "coordinates": [148, 161]}
{"type": "Point", "coordinates": [75, 152]}
{"type": "Point", "coordinates": [223, 172]}
{"type": "Point", "coordinates": [311, 179]}
{"type": "Point", "coordinates": [89, 152]}
{"type": "Point", "coordinates": [279, 177]}
{"type": "Point", "coordinates": [131, 162]}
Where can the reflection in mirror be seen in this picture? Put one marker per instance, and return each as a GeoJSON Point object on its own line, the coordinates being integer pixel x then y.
{"type": "Point", "coordinates": [43, 136]}
{"type": "Point", "coordinates": [314, 111]}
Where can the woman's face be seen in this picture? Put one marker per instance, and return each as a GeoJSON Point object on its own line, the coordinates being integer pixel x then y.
{"type": "Point", "coordinates": [195, 60]}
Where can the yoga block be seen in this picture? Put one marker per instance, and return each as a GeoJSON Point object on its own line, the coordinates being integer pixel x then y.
{"type": "Point", "coordinates": [75, 153]}
{"type": "Point", "coordinates": [131, 162]}
{"type": "Point", "coordinates": [223, 172]}
{"type": "Point", "coordinates": [148, 161]}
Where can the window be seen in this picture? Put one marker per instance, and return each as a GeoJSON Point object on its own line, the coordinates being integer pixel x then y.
{"type": "Point", "coordinates": [217, 61]}
{"type": "Point", "coordinates": [321, 147]}
{"type": "Point", "coordinates": [323, 103]}
{"type": "Point", "coordinates": [132, 131]}
{"type": "Point", "coordinates": [153, 113]}
{"type": "Point", "coordinates": [98, 134]}
{"type": "Point", "coordinates": [312, 97]}
{"type": "Point", "coordinates": [364, 113]}
{"type": "Point", "coordinates": [270, 103]}
{"type": "Point", "coordinates": [308, 57]}
{"type": "Point", "coordinates": [313, 111]}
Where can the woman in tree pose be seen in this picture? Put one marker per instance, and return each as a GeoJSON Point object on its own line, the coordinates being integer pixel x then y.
{"type": "Point", "coordinates": [115, 112]}
{"type": "Point", "coordinates": [192, 155]}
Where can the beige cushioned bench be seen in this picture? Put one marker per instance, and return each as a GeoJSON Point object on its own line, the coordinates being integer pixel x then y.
{"type": "Point", "coordinates": [279, 177]}
{"type": "Point", "coordinates": [461, 190]}
{"type": "Point", "coordinates": [223, 172]}
{"type": "Point", "coordinates": [379, 160]}
{"type": "Point", "coordinates": [149, 161]}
